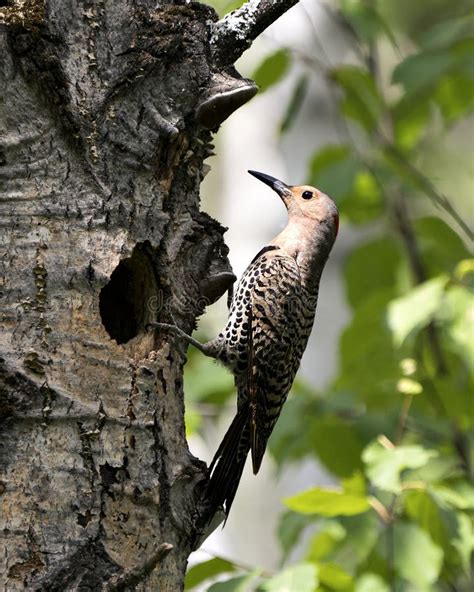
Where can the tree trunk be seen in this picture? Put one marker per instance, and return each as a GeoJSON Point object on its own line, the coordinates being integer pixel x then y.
{"type": "Point", "coordinates": [107, 113]}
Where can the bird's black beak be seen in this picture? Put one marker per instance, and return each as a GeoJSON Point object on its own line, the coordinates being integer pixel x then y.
{"type": "Point", "coordinates": [281, 188]}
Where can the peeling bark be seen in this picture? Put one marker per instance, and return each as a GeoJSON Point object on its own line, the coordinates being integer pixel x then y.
{"type": "Point", "coordinates": [106, 117]}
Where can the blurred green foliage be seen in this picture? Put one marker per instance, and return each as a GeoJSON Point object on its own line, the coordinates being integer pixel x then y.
{"type": "Point", "coordinates": [224, 6]}
{"type": "Point", "coordinates": [396, 426]}
{"type": "Point", "coordinates": [272, 69]}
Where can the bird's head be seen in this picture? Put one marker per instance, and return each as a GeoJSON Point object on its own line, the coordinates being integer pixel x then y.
{"type": "Point", "coordinates": [304, 203]}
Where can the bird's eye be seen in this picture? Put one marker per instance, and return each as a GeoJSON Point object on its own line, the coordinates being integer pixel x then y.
{"type": "Point", "coordinates": [307, 194]}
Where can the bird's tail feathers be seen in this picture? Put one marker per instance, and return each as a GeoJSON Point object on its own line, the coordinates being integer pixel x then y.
{"type": "Point", "coordinates": [258, 446]}
{"type": "Point", "coordinates": [228, 464]}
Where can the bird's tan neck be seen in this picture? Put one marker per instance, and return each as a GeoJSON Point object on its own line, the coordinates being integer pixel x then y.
{"type": "Point", "coordinates": [289, 241]}
{"type": "Point", "coordinates": [303, 243]}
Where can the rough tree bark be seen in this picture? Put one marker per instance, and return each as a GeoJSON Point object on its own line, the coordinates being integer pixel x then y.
{"type": "Point", "coordinates": [107, 113]}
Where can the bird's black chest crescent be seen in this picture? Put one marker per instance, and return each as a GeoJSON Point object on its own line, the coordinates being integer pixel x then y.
{"type": "Point", "coordinates": [263, 251]}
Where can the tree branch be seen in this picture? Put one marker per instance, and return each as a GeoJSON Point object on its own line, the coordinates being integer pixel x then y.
{"type": "Point", "coordinates": [233, 34]}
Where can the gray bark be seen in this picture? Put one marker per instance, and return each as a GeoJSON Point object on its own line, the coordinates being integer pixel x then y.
{"type": "Point", "coordinates": [107, 110]}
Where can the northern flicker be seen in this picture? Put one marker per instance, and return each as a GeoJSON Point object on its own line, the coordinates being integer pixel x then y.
{"type": "Point", "coordinates": [270, 320]}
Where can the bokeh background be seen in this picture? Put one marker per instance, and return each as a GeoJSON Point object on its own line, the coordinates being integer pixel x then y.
{"type": "Point", "coordinates": [368, 481]}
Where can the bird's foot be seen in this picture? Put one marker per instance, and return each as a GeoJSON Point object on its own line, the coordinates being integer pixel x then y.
{"type": "Point", "coordinates": [197, 344]}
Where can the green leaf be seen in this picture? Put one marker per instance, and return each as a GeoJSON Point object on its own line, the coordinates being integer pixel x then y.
{"type": "Point", "coordinates": [384, 466]}
{"type": "Point", "coordinates": [464, 541]}
{"type": "Point", "coordinates": [370, 268]}
{"type": "Point", "coordinates": [421, 70]}
{"type": "Point", "coordinates": [333, 576]}
{"type": "Point", "coordinates": [272, 69]}
{"type": "Point", "coordinates": [208, 569]}
{"type": "Point", "coordinates": [294, 105]}
{"type": "Point", "coordinates": [420, 507]}
{"type": "Point", "coordinates": [325, 541]}
{"type": "Point", "coordinates": [368, 338]}
{"type": "Point", "coordinates": [458, 318]}
{"type": "Point", "coordinates": [302, 577]}
{"type": "Point", "coordinates": [283, 444]}
{"type": "Point", "coordinates": [377, 561]}
{"type": "Point", "coordinates": [440, 247]}
{"type": "Point", "coordinates": [237, 584]}
{"type": "Point", "coordinates": [355, 483]}
{"type": "Point", "coordinates": [363, 18]}
{"type": "Point", "coordinates": [454, 95]}
{"type": "Point", "coordinates": [456, 394]}
{"type": "Point", "coordinates": [362, 101]}
{"type": "Point", "coordinates": [327, 502]}
{"type": "Point", "coordinates": [437, 469]}
{"type": "Point", "coordinates": [441, 75]}
{"type": "Point", "coordinates": [369, 582]}
{"type": "Point", "coordinates": [446, 32]}
{"type": "Point", "coordinates": [464, 272]}
{"type": "Point", "coordinates": [459, 495]}
{"type": "Point", "coordinates": [364, 201]}
{"type": "Point", "coordinates": [362, 532]}
{"type": "Point", "coordinates": [412, 312]}
{"type": "Point", "coordinates": [410, 118]}
{"type": "Point", "coordinates": [366, 20]}
{"type": "Point", "coordinates": [333, 170]}
{"type": "Point", "coordinates": [290, 527]}
{"type": "Point", "coordinates": [337, 445]}
{"type": "Point", "coordinates": [337, 171]}
{"type": "Point", "coordinates": [416, 557]}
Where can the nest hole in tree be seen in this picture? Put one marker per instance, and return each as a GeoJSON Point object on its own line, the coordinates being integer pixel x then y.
{"type": "Point", "coordinates": [131, 298]}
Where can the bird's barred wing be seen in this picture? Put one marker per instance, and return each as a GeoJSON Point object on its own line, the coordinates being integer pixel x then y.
{"type": "Point", "coordinates": [273, 316]}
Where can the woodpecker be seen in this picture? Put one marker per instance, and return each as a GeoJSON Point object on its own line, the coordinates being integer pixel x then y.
{"type": "Point", "coordinates": [270, 320]}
